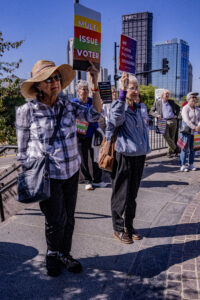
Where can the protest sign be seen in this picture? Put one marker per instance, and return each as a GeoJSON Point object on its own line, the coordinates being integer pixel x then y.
{"type": "Point", "coordinates": [127, 54]}
{"type": "Point", "coordinates": [87, 37]}
{"type": "Point", "coordinates": [105, 91]}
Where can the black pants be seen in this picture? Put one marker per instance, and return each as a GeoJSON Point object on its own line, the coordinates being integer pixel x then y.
{"type": "Point", "coordinates": [126, 176]}
{"type": "Point", "coordinates": [84, 146]}
{"type": "Point", "coordinates": [59, 214]}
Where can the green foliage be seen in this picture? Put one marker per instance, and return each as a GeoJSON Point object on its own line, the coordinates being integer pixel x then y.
{"type": "Point", "coordinates": [6, 67]}
{"type": "Point", "coordinates": [10, 98]}
{"type": "Point", "coordinates": [147, 93]}
{"type": "Point", "coordinates": [10, 95]}
{"type": "Point", "coordinates": [7, 132]}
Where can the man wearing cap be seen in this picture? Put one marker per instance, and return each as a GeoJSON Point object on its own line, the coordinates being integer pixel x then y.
{"type": "Point", "coordinates": [35, 122]}
{"type": "Point", "coordinates": [167, 109]}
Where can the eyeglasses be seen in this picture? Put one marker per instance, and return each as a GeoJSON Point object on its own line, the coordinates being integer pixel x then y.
{"type": "Point", "coordinates": [133, 88]}
{"type": "Point", "coordinates": [55, 77]}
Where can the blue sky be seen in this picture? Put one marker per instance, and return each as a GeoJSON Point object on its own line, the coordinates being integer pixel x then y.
{"type": "Point", "coordinates": [46, 26]}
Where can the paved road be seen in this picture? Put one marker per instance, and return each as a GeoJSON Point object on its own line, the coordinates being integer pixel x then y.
{"type": "Point", "coordinates": [7, 160]}
{"type": "Point", "coordinates": [163, 265]}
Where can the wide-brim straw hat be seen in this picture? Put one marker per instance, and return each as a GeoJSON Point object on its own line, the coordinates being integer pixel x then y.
{"type": "Point", "coordinates": [42, 69]}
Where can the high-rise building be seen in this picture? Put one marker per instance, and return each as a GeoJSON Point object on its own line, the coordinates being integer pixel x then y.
{"type": "Point", "coordinates": [139, 27]}
{"type": "Point", "coordinates": [103, 75]}
{"type": "Point", "coordinates": [190, 77]}
{"type": "Point", "coordinates": [176, 80]}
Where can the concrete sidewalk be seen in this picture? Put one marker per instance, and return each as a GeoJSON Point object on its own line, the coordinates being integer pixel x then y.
{"type": "Point", "coordinates": [165, 264]}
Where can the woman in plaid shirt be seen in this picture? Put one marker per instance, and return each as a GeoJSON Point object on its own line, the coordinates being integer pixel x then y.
{"type": "Point", "coordinates": [35, 122]}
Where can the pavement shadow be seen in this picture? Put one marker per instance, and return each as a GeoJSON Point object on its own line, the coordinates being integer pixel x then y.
{"type": "Point", "coordinates": [87, 215]}
{"type": "Point", "coordinates": [30, 212]}
{"type": "Point", "coordinates": [159, 169]}
{"type": "Point", "coordinates": [166, 183]}
{"type": "Point", "coordinates": [171, 230]}
{"type": "Point", "coordinates": [139, 274]}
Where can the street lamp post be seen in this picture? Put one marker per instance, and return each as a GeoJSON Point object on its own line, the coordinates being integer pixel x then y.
{"type": "Point", "coordinates": [79, 72]}
{"type": "Point", "coordinates": [115, 64]}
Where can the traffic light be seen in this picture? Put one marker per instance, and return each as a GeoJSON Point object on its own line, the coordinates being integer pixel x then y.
{"type": "Point", "coordinates": [165, 67]}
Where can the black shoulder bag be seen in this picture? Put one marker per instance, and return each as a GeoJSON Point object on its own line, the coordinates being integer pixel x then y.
{"type": "Point", "coordinates": [34, 181]}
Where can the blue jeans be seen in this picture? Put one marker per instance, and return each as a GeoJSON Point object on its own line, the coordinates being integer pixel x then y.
{"type": "Point", "coordinates": [189, 150]}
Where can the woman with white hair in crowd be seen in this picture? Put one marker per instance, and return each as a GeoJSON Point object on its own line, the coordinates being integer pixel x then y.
{"type": "Point", "coordinates": [131, 147]}
{"type": "Point", "coordinates": [190, 119]}
{"type": "Point", "coordinates": [85, 131]}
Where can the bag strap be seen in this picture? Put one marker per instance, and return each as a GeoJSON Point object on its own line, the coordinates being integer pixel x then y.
{"type": "Point", "coordinates": [114, 136]}
{"type": "Point", "coordinates": [52, 138]}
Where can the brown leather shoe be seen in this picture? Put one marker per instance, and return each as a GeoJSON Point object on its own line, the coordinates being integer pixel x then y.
{"type": "Point", "coordinates": [135, 235]}
{"type": "Point", "coordinates": [123, 237]}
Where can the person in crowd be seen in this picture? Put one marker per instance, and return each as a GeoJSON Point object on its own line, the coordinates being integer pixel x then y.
{"type": "Point", "coordinates": [114, 93]}
{"type": "Point", "coordinates": [145, 116]}
{"type": "Point", "coordinates": [184, 103]}
{"type": "Point", "coordinates": [35, 122]}
{"type": "Point", "coordinates": [191, 118]}
{"type": "Point", "coordinates": [131, 147]}
{"type": "Point", "coordinates": [84, 137]}
{"type": "Point", "coordinates": [143, 110]}
{"type": "Point", "coordinates": [106, 106]}
{"type": "Point", "coordinates": [168, 110]}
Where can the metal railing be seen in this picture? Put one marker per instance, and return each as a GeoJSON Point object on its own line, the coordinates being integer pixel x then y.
{"type": "Point", "coordinates": [5, 187]}
{"type": "Point", "coordinates": [156, 140]}
{"type": "Point", "coordinates": [7, 147]}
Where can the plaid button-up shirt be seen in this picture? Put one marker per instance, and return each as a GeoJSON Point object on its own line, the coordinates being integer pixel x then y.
{"type": "Point", "coordinates": [35, 123]}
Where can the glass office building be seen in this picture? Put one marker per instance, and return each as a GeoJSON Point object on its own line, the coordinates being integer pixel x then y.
{"type": "Point", "coordinates": [176, 80]}
{"type": "Point", "coordinates": [139, 27]}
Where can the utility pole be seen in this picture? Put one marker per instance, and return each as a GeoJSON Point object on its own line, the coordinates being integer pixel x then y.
{"type": "Point", "coordinates": [79, 72]}
{"type": "Point", "coordinates": [115, 64]}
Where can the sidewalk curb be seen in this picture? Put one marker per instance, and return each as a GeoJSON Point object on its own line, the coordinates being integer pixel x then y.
{"type": "Point", "coordinates": [156, 155]}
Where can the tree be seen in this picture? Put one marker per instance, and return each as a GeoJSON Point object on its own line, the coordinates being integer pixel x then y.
{"type": "Point", "coordinates": [10, 95]}
{"type": "Point", "coordinates": [147, 93]}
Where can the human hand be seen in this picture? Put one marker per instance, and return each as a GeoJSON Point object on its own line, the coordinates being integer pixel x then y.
{"type": "Point", "coordinates": [93, 75]}
{"type": "Point", "coordinates": [124, 81]}
{"type": "Point", "coordinates": [159, 117]}
{"type": "Point", "coordinates": [197, 128]}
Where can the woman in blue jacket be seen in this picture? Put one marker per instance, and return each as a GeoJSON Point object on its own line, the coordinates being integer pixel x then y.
{"type": "Point", "coordinates": [131, 148]}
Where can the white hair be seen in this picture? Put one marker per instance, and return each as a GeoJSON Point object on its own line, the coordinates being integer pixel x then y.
{"type": "Point", "coordinates": [163, 92]}
{"type": "Point", "coordinates": [80, 84]}
{"type": "Point", "coordinates": [132, 78]}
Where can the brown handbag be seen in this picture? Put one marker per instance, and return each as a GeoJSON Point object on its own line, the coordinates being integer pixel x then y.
{"type": "Point", "coordinates": [106, 153]}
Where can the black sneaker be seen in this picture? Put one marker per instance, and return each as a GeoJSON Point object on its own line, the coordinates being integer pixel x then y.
{"type": "Point", "coordinates": [53, 265]}
{"type": "Point", "coordinates": [71, 264]}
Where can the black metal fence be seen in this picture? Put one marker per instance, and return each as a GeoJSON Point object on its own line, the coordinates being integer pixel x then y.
{"type": "Point", "coordinates": [156, 140]}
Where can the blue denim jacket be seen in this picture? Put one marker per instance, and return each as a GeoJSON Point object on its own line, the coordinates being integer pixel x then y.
{"type": "Point", "coordinates": [132, 136]}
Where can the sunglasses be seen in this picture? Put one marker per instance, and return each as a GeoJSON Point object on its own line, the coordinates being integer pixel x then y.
{"type": "Point", "coordinates": [55, 77]}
